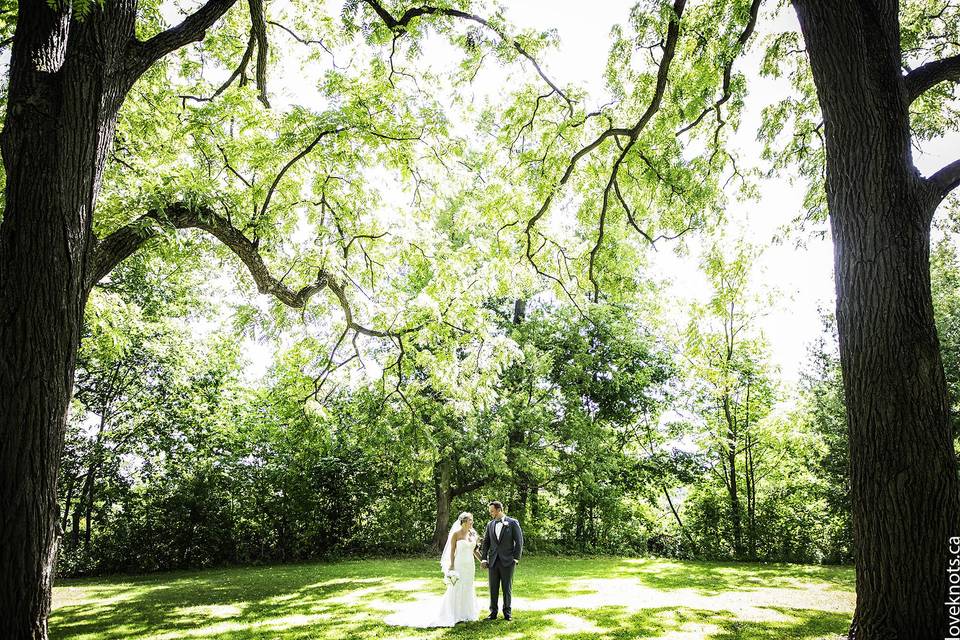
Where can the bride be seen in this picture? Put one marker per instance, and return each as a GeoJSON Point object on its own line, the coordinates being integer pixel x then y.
{"type": "Point", "coordinates": [459, 603]}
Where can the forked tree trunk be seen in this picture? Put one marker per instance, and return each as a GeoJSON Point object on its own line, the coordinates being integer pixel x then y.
{"type": "Point", "coordinates": [63, 98]}
{"type": "Point", "coordinates": [68, 79]}
{"type": "Point", "coordinates": [731, 441]}
{"type": "Point", "coordinates": [902, 466]}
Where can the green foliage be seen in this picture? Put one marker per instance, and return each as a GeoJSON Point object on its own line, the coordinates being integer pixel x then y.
{"type": "Point", "coordinates": [579, 408]}
{"type": "Point", "coordinates": [768, 485]}
{"type": "Point", "coordinates": [791, 129]}
{"type": "Point", "coordinates": [559, 415]}
{"type": "Point", "coordinates": [824, 410]}
{"type": "Point", "coordinates": [945, 285]}
{"type": "Point", "coordinates": [385, 163]}
{"type": "Point", "coordinates": [930, 30]}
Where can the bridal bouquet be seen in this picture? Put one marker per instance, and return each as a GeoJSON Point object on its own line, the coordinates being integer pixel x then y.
{"type": "Point", "coordinates": [451, 577]}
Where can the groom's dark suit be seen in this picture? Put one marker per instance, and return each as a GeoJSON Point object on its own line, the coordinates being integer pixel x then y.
{"type": "Point", "coordinates": [501, 554]}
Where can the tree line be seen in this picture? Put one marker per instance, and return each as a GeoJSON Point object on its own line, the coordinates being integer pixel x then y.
{"type": "Point", "coordinates": [603, 434]}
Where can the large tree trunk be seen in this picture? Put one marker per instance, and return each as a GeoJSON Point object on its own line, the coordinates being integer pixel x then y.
{"type": "Point", "coordinates": [902, 466]}
{"type": "Point", "coordinates": [63, 97]}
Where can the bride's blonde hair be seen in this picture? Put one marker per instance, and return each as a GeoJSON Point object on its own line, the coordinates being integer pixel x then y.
{"type": "Point", "coordinates": [463, 517]}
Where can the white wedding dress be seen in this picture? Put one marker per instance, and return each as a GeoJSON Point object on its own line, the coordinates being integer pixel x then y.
{"type": "Point", "coordinates": [459, 603]}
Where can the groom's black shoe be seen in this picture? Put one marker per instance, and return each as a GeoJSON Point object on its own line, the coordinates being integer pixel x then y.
{"type": "Point", "coordinates": [492, 616]}
{"type": "Point", "coordinates": [507, 617]}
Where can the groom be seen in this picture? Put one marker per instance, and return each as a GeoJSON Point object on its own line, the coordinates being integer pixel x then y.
{"type": "Point", "coordinates": [500, 553]}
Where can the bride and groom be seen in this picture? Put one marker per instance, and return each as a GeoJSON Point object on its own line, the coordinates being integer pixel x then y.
{"type": "Point", "coordinates": [499, 553]}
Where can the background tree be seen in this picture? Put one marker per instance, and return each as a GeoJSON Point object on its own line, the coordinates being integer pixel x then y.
{"type": "Point", "coordinates": [945, 287]}
{"type": "Point", "coordinates": [735, 393]}
{"type": "Point", "coordinates": [821, 391]}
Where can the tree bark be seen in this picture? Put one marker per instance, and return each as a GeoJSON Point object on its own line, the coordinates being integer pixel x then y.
{"type": "Point", "coordinates": [63, 98]}
{"type": "Point", "coordinates": [446, 492]}
{"type": "Point", "coordinates": [902, 467]}
{"type": "Point", "coordinates": [68, 78]}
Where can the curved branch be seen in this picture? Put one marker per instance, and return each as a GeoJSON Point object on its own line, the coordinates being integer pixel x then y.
{"type": "Point", "coordinates": [193, 28]}
{"type": "Point", "coordinates": [611, 132]}
{"type": "Point", "coordinates": [926, 76]}
{"type": "Point", "coordinates": [305, 41]}
{"type": "Point", "coordinates": [603, 217]}
{"type": "Point", "coordinates": [126, 240]}
{"type": "Point", "coordinates": [239, 72]}
{"type": "Point", "coordinates": [663, 70]}
{"type": "Point", "coordinates": [302, 154]}
{"type": "Point", "coordinates": [400, 25]}
{"type": "Point", "coordinates": [727, 91]}
{"type": "Point", "coordinates": [946, 179]}
{"type": "Point", "coordinates": [462, 489]}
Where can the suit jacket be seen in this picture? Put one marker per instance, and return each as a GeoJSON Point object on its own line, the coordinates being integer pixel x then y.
{"type": "Point", "coordinates": [507, 547]}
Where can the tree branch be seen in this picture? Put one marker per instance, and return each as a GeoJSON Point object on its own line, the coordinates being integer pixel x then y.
{"type": "Point", "coordinates": [470, 486]}
{"type": "Point", "coordinates": [727, 91]}
{"type": "Point", "coordinates": [258, 31]}
{"type": "Point", "coordinates": [256, 42]}
{"type": "Point", "coordinates": [926, 76]}
{"type": "Point", "coordinates": [192, 29]}
{"type": "Point", "coordinates": [295, 159]}
{"type": "Point", "coordinates": [239, 72]}
{"type": "Point", "coordinates": [946, 179]}
{"type": "Point", "coordinates": [123, 242]}
{"type": "Point", "coordinates": [305, 41]}
{"type": "Point", "coordinates": [126, 240]}
{"type": "Point", "coordinates": [631, 134]}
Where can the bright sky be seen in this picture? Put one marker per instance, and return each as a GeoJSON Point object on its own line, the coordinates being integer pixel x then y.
{"type": "Point", "coordinates": [802, 276]}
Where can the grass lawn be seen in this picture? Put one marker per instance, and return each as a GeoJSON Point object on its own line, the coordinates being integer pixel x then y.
{"type": "Point", "coordinates": [553, 598]}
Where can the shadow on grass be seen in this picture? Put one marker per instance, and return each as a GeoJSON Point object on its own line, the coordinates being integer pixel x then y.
{"type": "Point", "coordinates": [350, 599]}
{"type": "Point", "coordinates": [621, 623]}
{"type": "Point", "coordinates": [804, 623]}
{"type": "Point", "coordinates": [712, 578]}
{"type": "Point", "coordinates": [566, 576]}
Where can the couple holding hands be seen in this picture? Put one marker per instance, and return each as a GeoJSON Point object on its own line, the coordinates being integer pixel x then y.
{"type": "Point", "coordinates": [499, 552]}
